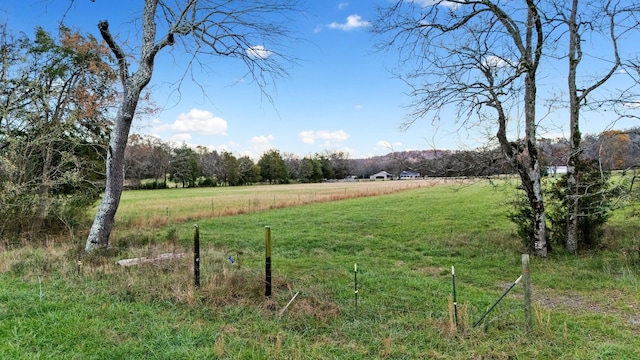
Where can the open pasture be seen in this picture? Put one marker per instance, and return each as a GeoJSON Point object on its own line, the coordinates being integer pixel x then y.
{"type": "Point", "coordinates": [404, 243]}
{"type": "Point", "coordinates": [142, 208]}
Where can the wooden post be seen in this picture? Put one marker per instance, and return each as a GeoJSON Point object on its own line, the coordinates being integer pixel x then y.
{"type": "Point", "coordinates": [267, 243]}
{"type": "Point", "coordinates": [196, 256]}
{"type": "Point", "coordinates": [527, 292]}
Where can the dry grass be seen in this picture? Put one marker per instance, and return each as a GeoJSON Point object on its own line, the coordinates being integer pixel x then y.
{"type": "Point", "coordinates": [226, 285]}
{"type": "Point", "coordinates": [159, 208]}
{"type": "Point", "coordinates": [29, 261]}
{"type": "Point", "coordinates": [463, 317]}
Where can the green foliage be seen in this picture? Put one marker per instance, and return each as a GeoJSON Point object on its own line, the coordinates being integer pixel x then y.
{"type": "Point", "coordinates": [521, 215]}
{"type": "Point", "coordinates": [184, 166]}
{"type": "Point", "coordinates": [327, 170]}
{"type": "Point", "coordinates": [56, 93]}
{"type": "Point", "coordinates": [595, 204]}
{"type": "Point", "coordinates": [153, 185]}
{"type": "Point", "coordinates": [249, 171]}
{"type": "Point", "coordinates": [232, 175]}
{"type": "Point", "coordinates": [205, 182]}
{"type": "Point", "coordinates": [19, 206]}
{"type": "Point", "coordinates": [311, 170]}
{"type": "Point", "coordinates": [273, 168]}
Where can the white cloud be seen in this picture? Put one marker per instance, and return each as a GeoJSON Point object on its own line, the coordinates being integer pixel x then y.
{"type": "Point", "coordinates": [497, 62]}
{"type": "Point", "coordinates": [218, 148]}
{"type": "Point", "coordinates": [181, 138]}
{"type": "Point", "coordinates": [425, 3]}
{"type": "Point", "coordinates": [195, 121]}
{"type": "Point", "coordinates": [259, 145]}
{"type": "Point", "coordinates": [261, 140]}
{"type": "Point", "coordinates": [258, 52]}
{"type": "Point", "coordinates": [358, 107]}
{"type": "Point", "coordinates": [353, 22]}
{"type": "Point", "coordinates": [310, 137]}
{"type": "Point", "coordinates": [342, 5]}
{"type": "Point", "coordinates": [307, 137]}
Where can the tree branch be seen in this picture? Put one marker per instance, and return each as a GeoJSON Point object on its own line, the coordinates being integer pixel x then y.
{"type": "Point", "coordinates": [103, 26]}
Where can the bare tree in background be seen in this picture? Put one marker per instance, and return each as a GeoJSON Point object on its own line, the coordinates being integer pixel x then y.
{"type": "Point", "coordinates": [610, 21]}
{"type": "Point", "coordinates": [481, 58]}
{"type": "Point", "coordinates": [247, 30]}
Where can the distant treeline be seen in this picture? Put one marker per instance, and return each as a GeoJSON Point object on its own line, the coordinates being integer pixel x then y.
{"type": "Point", "coordinates": [151, 158]}
{"type": "Point", "coordinates": [612, 150]}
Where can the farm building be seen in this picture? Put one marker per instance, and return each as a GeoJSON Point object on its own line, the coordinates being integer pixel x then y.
{"type": "Point", "coordinates": [382, 175]}
{"type": "Point", "coordinates": [409, 175]}
{"type": "Point", "coordinates": [556, 170]}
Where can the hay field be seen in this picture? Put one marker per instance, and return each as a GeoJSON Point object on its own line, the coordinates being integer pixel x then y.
{"type": "Point", "coordinates": [143, 208]}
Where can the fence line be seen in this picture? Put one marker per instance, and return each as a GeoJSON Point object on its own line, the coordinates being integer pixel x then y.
{"type": "Point", "coordinates": [380, 300]}
{"type": "Point", "coordinates": [365, 296]}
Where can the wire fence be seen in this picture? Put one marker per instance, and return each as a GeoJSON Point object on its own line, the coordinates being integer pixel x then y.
{"type": "Point", "coordinates": [377, 292]}
{"type": "Point", "coordinates": [367, 292]}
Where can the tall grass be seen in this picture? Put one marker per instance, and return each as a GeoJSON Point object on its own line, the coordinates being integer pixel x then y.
{"type": "Point", "coordinates": [404, 244]}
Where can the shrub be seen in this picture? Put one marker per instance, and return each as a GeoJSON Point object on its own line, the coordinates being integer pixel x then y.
{"type": "Point", "coordinates": [522, 215]}
{"type": "Point", "coordinates": [594, 205]}
{"type": "Point", "coordinates": [594, 208]}
{"type": "Point", "coordinates": [153, 185]}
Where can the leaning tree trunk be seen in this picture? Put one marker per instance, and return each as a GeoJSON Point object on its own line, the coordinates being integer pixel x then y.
{"type": "Point", "coordinates": [132, 87]}
{"type": "Point", "coordinates": [103, 221]}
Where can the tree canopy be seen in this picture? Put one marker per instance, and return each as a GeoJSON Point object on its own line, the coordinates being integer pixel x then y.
{"type": "Point", "coordinates": [56, 94]}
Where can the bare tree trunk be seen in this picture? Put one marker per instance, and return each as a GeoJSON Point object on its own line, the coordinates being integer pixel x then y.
{"type": "Point", "coordinates": [575, 136]}
{"type": "Point", "coordinates": [534, 187]}
{"type": "Point", "coordinates": [103, 222]}
{"type": "Point", "coordinates": [526, 158]}
{"type": "Point", "coordinates": [539, 213]}
{"type": "Point", "coordinates": [578, 98]}
{"type": "Point", "coordinates": [133, 86]}
{"type": "Point", "coordinates": [212, 26]}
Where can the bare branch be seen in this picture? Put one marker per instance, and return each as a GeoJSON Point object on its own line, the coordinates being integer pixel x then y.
{"type": "Point", "coordinates": [120, 55]}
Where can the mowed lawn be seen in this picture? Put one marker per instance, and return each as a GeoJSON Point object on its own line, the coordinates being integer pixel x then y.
{"type": "Point", "coordinates": [404, 242]}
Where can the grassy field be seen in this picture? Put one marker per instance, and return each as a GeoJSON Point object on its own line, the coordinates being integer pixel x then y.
{"type": "Point", "coordinates": [158, 208]}
{"type": "Point", "coordinates": [404, 243]}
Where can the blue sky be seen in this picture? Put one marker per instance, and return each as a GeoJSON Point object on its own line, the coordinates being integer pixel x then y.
{"type": "Point", "coordinates": [339, 97]}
